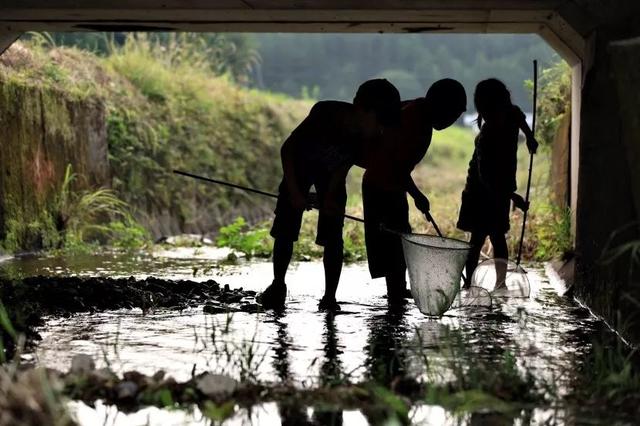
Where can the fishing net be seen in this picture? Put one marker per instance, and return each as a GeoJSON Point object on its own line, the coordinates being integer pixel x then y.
{"type": "Point", "coordinates": [473, 297]}
{"type": "Point", "coordinates": [435, 267]}
{"type": "Point", "coordinates": [516, 283]}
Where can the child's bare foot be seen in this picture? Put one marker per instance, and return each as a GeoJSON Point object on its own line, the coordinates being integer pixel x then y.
{"type": "Point", "coordinates": [328, 304]}
{"type": "Point", "coordinates": [500, 288]}
{"type": "Point", "coordinates": [273, 297]}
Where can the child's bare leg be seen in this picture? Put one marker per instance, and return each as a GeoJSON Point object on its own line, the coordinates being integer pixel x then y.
{"type": "Point", "coordinates": [476, 242]}
{"type": "Point", "coordinates": [501, 255]}
{"type": "Point", "coordinates": [332, 260]}
{"type": "Point", "coordinates": [273, 297]}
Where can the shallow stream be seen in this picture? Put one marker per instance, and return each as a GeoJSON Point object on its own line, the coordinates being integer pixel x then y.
{"type": "Point", "coordinates": [547, 335]}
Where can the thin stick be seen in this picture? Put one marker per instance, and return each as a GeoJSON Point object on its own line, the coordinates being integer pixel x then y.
{"type": "Point", "coordinates": [433, 222]}
{"type": "Point", "coordinates": [245, 188]}
{"type": "Point", "coordinates": [533, 130]}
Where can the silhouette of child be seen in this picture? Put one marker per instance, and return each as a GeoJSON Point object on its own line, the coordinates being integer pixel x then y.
{"type": "Point", "coordinates": [491, 178]}
{"type": "Point", "coordinates": [387, 179]}
{"type": "Point", "coordinates": [319, 153]}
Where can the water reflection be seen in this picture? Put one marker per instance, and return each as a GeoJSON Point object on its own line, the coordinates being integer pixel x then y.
{"type": "Point", "coordinates": [386, 358]}
{"type": "Point", "coordinates": [366, 341]}
{"type": "Point", "coordinates": [331, 372]}
{"type": "Point", "coordinates": [282, 346]}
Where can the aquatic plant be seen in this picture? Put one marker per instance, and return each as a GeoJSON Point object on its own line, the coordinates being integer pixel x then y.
{"type": "Point", "coordinates": [7, 333]}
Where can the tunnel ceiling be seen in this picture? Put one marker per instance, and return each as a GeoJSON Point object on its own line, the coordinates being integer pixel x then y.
{"type": "Point", "coordinates": [563, 23]}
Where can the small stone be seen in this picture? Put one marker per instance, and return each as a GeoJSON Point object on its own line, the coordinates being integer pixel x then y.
{"type": "Point", "coordinates": [135, 377]}
{"type": "Point", "coordinates": [211, 308]}
{"type": "Point", "coordinates": [82, 364]}
{"type": "Point", "coordinates": [103, 375]}
{"type": "Point", "coordinates": [251, 308]}
{"type": "Point", "coordinates": [126, 390]}
{"type": "Point", "coordinates": [158, 376]}
{"type": "Point", "coordinates": [215, 385]}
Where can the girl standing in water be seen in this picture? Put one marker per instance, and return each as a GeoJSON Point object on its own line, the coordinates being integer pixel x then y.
{"type": "Point", "coordinates": [491, 179]}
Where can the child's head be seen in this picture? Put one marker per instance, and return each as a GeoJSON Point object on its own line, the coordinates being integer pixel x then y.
{"type": "Point", "coordinates": [381, 99]}
{"type": "Point", "coordinates": [447, 100]}
{"type": "Point", "coordinates": [491, 97]}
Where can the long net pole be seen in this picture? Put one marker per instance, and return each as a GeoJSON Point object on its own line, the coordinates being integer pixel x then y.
{"type": "Point", "coordinates": [533, 130]}
{"type": "Point", "coordinates": [245, 188]}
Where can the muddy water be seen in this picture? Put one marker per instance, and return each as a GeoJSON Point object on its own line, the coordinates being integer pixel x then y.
{"type": "Point", "coordinates": [546, 333]}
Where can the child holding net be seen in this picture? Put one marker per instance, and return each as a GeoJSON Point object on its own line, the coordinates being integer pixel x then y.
{"type": "Point", "coordinates": [491, 178]}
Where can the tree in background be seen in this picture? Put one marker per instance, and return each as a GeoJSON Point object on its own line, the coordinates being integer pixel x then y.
{"type": "Point", "coordinates": [331, 66]}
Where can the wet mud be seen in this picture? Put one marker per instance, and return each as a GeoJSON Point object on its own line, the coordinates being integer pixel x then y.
{"type": "Point", "coordinates": [29, 300]}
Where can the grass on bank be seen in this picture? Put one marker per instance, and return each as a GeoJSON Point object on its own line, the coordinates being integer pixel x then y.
{"type": "Point", "coordinates": [165, 109]}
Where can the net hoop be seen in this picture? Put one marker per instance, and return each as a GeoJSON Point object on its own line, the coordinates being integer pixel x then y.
{"type": "Point", "coordinates": [463, 245]}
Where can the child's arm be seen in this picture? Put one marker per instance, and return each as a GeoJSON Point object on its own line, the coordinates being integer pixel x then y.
{"type": "Point", "coordinates": [298, 200]}
{"type": "Point", "coordinates": [421, 200]}
{"type": "Point", "coordinates": [532, 143]}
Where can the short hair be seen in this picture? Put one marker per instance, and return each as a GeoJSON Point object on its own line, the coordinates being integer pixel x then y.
{"type": "Point", "coordinates": [448, 93]}
{"type": "Point", "coordinates": [382, 97]}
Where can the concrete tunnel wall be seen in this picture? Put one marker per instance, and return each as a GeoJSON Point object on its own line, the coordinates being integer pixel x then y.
{"type": "Point", "coordinates": [596, 37]}
{"type": "Point", "coordinates": [608, 205]}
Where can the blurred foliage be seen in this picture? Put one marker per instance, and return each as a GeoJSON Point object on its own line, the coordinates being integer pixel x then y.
{"type": "Point", "coordinates": [338, 63]}
{"type": "Point", "coordinates": [554, 100]}
{"type": "Point", "coordinates": [231, 54]}
{"type": "Point", "coordinates": [198, 122]}
{"type": "Point", "coordinates": [331, 66]}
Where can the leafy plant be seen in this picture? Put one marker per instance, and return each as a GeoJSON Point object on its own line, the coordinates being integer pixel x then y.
{"type": "Point", "coordinates": [239, 236]}
{"type": "Point", "coordinates": [91, 215]}
{"type": "Point", "coordinates": [551, 229]}
{"type": "Point", "coordinates": [554, 100]}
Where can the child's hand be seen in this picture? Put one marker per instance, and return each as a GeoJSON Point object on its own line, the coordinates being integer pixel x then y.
{"type": "Point", "coordinates": [532, 145]}
{"type": "Point", "coordinates": [519, 202]}
{"type": "Point", "coordinates": [422, 203]}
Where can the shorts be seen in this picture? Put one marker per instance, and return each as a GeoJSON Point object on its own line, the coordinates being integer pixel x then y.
{"type": "Point", "coordinates": [384, 249]}
{"type": "Point", "coordinates": [288, 220]}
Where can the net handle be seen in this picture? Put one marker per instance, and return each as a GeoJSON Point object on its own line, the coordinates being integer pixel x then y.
{"type": "Point", "coordinates": [430, 218]}
{"type": "Point", "coordinates": [533, 130]}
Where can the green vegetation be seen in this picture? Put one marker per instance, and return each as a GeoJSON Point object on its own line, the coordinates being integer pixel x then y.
{"type": "Point", "coordinates": [239, 236]}
{"type": "Point", "coordinates": [330, 66]}
{"type": "Point", "coordinates": [201, 122]}
{"type": "Point", "coordinates": [204, 122]}
{"type": "Point", "coordinates": [256, 241]}
{"type": "Point", "coordinates": [554, 100]}
{"type": "Point", "coordinates": [197, 122]}
{"type": "Point", "coordinates": [95, 216]}
{"type": "Point", "coordinates": [78, 221]}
